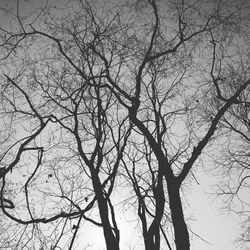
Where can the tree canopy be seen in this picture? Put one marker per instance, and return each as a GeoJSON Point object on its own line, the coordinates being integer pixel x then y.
{"type": "Point", "coordinates": [108, 105]}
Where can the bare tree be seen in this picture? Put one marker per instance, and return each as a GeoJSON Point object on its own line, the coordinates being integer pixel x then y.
{"type": "Point", "coordinates": [83, 82]}
{"type": "Point", "coordinates": [70, 146]}
{"type": "Point", "coordinates": [232, 160]}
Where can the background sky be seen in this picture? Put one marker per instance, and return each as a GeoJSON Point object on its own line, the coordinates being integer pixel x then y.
{"type": "Point", "coordinates": [217, 228]}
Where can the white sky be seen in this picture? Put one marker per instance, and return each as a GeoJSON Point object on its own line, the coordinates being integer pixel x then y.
{"type": "Point", "coordinates": [219, 229]}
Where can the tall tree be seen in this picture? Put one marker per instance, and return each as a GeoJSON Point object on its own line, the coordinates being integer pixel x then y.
{"type": "Point", "coordinates": [70, 146]}
{"type": "Point", "coordinates": [98, 91]}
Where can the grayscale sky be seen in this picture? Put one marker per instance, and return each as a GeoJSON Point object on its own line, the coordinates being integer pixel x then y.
{"type": "Point", "coordinates": [208, 221]}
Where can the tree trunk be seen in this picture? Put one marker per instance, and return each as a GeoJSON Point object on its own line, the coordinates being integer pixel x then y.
{"type": "Point", "coordinates": [180, 228]}
{"type": "Point", "coordinates": [112, 242]}
{"type": "Point", "coordinates": [152, 240]}
{"type": "Point", "coordinates": [153, 235]}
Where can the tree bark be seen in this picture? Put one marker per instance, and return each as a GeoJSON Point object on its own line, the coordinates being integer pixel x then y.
{"type": "Point", "coordinates": [112, 243]}
{"type": "Point", "coordinates": [153, 235]}
{"type": "Point", "coordinates": [151, 240]}
{"type": "Point", "coordinates": [180, 228]}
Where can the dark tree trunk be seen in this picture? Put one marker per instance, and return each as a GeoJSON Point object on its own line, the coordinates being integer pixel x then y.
{"type": "Point", "coordinates": [152, 240]}
{"type": "Point", "coordinates": [153, 236]}
{"type": "Point", "coordinates": [112, 242]}
{"type": "Point", "coordinates": [180, 228]}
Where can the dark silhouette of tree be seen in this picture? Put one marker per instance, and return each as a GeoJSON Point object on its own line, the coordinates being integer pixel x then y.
{"type": "Point", "coordinates": [97, 92]}
{"type": "Point", "coordinates": [232, 160]}
{"type": "Point", "coordinates": [71, 145]}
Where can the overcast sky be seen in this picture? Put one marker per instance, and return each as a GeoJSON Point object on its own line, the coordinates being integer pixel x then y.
{"type": "Point", "coordinates": [217, 228]}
